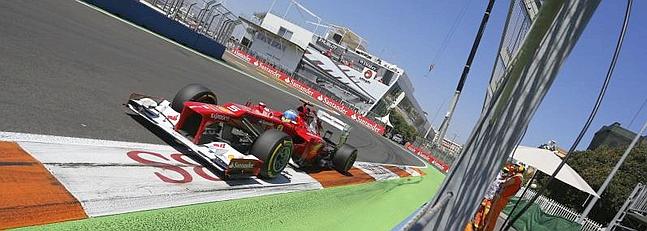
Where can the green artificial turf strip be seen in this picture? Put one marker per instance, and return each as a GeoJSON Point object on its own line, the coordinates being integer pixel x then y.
{"type": "Point", "coordinates": [372, 206]}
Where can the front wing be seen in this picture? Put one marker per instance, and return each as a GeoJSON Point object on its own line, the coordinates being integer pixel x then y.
{"type": "Point", "coordinates": [224, 158]}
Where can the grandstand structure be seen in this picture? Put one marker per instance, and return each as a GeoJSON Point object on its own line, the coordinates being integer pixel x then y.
{"type": "Point", "coordinates": [336, 62]}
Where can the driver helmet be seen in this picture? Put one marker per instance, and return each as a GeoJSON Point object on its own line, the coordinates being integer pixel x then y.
{"type": "Point", "coordinates": [290, 116]}
{"type": "Point", "coordinates": [520, 167]}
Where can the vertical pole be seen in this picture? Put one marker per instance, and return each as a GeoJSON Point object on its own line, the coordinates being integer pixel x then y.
{"type": "Point", "coordinates": [287, 10]}
{"type": "Point", "coordinates": [271, 6]}
{"type": "Point", "coordinates": [188, 11]}
{"type": "Point", "coordinates": [466, 70]}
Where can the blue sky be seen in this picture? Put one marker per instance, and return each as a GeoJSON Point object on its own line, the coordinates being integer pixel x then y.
{"type": "Point", "coordinates": [409, 34]}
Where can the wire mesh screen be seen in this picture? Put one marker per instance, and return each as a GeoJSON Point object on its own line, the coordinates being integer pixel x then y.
{"type": "Point", "coordinates": [519, 20]}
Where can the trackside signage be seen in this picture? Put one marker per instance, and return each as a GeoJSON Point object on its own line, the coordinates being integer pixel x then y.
{"type": "Point", "coordinates": [305, 89]}
{"type": "Point", "coordinates": [427, 156]}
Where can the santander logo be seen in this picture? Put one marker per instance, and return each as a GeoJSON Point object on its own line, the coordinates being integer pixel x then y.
{"type": "Point", "coordinates": [320, 98]}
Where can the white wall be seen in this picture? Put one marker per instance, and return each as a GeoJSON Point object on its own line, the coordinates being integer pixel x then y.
{"type": "Point", "coordinates": [280, 53]}
{"type": "Point", "coordinates": [300, 36]}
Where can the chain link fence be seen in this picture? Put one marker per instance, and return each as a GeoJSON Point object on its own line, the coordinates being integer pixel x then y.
{"type": "Point", "coordinates": [442, 152]}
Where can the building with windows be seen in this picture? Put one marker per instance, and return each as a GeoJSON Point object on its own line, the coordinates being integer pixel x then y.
{"type": "Point", "coordinates": [613, 135]}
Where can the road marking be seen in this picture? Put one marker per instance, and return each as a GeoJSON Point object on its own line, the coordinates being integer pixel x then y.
{"type": "Point", "coordinates": [407, 151]}
{"type": "Point", "coordinates": [29, 194]}
{"type": "Point", "coordinates": [38, 138]}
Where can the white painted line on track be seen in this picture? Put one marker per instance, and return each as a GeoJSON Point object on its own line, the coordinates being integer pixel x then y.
{"type": "Point", "coordinates": [37, 138]}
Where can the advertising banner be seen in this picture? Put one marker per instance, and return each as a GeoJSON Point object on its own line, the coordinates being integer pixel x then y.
{"type": "Point", "coordinates": [307, 90]}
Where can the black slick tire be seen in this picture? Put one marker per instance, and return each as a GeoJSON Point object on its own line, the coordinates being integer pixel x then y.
{"type": "Point", "coordinates": [344, 158]}
{"type": "Point", "coordinates": [274, 148]}
{"type": "Point", "coordinates": [193, 92]}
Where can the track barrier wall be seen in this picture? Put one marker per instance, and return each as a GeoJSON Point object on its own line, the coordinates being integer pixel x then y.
{"type": "Point", "coordinates": [307, 90]}
{"type": "Point", "coordinates": [142, 15]}
{"type": "Point", "coordinates": [439, 164]}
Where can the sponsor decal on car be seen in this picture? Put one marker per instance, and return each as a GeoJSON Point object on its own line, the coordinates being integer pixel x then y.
{"type": "Point", "coordinates": [220, 117]}
{"type": "Point", "coordinates": [239, 165]}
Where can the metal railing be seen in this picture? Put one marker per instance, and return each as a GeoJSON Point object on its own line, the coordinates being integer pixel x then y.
{"type": "Point", "coordinates": [635, 204]}
{"type": "Point", "coordinates": [209, 18]}
{"type": "Point", "coordinates": [440, 152]}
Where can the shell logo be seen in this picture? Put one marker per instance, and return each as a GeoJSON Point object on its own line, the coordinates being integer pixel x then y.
{"type": "Point", "coordinates": [368, 74]}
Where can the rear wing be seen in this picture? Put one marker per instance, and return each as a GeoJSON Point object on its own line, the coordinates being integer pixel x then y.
{"type": "Point", "coordinates": [333, 121]}
{"type": "Point", "coordinates": [336, 123]}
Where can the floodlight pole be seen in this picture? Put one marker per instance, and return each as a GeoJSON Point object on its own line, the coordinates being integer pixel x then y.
{"type": "Point", "coordinates": [466, 70]}
{"type": "Point", "coordinates": [611, 175]}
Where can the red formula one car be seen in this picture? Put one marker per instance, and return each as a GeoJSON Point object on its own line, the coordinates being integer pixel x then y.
{"type": "Point", "coordinates": [246, 139]}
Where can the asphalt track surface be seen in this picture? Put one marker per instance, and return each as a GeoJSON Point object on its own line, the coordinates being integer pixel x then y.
{"type": "Point", "coordinates": [66, 69]}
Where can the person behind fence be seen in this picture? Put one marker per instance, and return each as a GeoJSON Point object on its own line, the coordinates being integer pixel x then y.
{"type": "Point", "coordinates": [497, 195]}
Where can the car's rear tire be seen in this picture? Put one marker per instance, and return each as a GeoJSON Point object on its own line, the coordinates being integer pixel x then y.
{"type": "Point", "coordinates": [274, 148]}
{"type": "Point", "coordinates": [193, 92]}
{"type": "Point", "coordinates": [344, 158]}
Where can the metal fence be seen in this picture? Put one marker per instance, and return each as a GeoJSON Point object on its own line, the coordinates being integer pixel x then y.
{"type": "Point", "coordinates": [551, 207]}
{"type": "Point", "coordinates": [636, 205]}
{"type": "Point", "coordinates": [209, 18]}
{"type": "Point", "coordinates": [440, 152]}
{"type": "Point", "coordinates": [519, 21]}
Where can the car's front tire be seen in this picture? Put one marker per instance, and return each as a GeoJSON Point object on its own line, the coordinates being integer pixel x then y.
{"type": "Point", "coordinates": [274, 148]}
{"type": "Point", "coordinates": [193, 92]}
